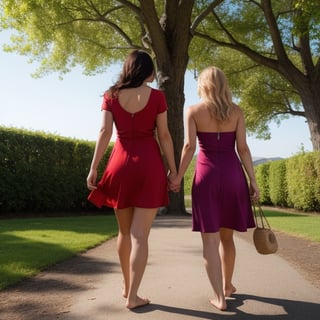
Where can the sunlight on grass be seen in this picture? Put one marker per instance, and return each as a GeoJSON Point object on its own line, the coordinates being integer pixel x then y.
{"type": "Point", "coordinates": [305, 226]}
{"type": "Point", "coordinates": [27, 246]}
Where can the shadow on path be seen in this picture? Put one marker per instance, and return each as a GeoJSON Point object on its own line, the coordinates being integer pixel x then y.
{"type": "Point", "coordinates": [269, 308]}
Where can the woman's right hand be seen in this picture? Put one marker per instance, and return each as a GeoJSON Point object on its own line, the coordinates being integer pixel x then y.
{"type": "Point", "coordinates": [91, 179]}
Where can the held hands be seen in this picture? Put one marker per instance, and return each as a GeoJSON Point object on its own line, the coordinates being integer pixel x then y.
{"type": "Point", "coordinates": [174, 182]}
{"type": "Point", "coordinates": [91, 179]}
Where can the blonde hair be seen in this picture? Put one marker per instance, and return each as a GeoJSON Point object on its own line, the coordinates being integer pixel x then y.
{"type": "Point", "coordinates": [214, 90]}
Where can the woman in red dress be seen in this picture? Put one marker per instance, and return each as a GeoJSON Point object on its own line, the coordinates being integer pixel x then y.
{"type": "Point", "coordinates": [134, 182]}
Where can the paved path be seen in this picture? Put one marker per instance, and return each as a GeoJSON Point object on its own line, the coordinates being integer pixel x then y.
{"type": "Point", "coordinates": [268, 287]}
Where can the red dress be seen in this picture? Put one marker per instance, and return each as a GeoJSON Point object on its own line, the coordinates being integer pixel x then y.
{"type": "Point", "coordinates": [135, 174]}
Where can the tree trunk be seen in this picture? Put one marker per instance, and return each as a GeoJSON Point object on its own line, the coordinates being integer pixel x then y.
{"type": "Point", "coordinates": [310, 97]}
{"type": "Point", "coordinates": [173, 85]}
{"type": "Point", "coordinates": [175, 99]}
{"type": "Point", "coordinates": [170, 39]}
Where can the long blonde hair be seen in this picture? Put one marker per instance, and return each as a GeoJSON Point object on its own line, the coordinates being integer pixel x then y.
{"type": "Point", "coordinates": [214, 90]}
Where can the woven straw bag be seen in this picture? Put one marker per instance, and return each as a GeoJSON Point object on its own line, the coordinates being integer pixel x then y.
{"type": "Point", "coordinates": [264, 238]}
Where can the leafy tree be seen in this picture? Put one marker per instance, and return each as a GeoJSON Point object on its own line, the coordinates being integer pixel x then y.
{"type": "Point", "coordinates": [269, 35]}
{"type": "Point", "coordinates": [281, 41]}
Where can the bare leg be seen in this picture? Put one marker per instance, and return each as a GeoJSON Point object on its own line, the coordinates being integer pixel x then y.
{"type": "Point", "coordinates": [124, 218]}
{"type": "Point", "coordinates": [140, 229]}
{"type": "Point", "coordinates": [213, 267]}
{"type": "Point", "coordinates": [228, 256]}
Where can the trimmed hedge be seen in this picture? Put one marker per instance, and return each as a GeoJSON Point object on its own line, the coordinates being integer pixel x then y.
{"type": "Point", "coordinates": [262, 176]}
{"type": "Point", "coordinates": [303, 181]}
{"type": "Point", "coordinates": [293, 182]}
{"type": "Point", "coordinates": [278, 188]}
{"type": "Point", "coordinates": [43, 172]}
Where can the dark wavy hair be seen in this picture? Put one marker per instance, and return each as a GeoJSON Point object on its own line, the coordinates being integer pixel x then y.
{"type": "Point", "coordinates": [136, 69]}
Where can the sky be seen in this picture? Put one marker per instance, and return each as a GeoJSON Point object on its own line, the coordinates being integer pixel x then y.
{"type": "Point", "coordinates": [71, 107]}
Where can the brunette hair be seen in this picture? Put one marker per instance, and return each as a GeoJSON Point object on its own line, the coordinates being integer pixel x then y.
{"type": "Point", "coordinates": [214, 90]}
{"type": "Point", "coordinates": [136, 69]}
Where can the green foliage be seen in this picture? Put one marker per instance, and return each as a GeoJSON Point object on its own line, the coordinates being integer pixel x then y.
{"type": "Point", "coordinates": [307, 18]}
{"type": "Point", "coordinates": [64, 33]}
{"type": "Point", "coordinates": [293, 182]}
{"type": "Point", "coordinates": [266, 97]}
{"type": "Point", "coordinates": [42, 172]}
{"type": "Point", "coordinates": [28, 246]}
{"type": "Point", "coordinates": [303, 181]}
{"type": "Point", "coordinates": [262, 177]}
{"type": "Point", "coordinates": [278, 183]}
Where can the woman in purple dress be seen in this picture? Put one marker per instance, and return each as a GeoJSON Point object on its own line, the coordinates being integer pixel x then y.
{"type": "Point", "coordinates": [220, 193]}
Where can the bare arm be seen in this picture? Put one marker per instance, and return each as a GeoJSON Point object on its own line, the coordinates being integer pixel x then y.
{"type": "Point", "coordinates": [100, 148]}
{"type": "Point", "coordinates": [245, 155]}
{"type": "Point", "coordinates": [188, 150]}
{"type": "Point", "coordinates": [165, 142]}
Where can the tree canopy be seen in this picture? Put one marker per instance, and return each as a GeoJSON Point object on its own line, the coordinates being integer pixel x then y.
{"type": "Point", "coordinates": [278, 46]}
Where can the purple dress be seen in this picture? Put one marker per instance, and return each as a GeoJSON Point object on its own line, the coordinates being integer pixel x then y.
{"type": "Point", "coordinates": [220, 193]}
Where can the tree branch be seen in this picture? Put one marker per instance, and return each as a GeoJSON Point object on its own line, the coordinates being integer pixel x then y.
{"type": "Point", "coordinates": [293, 111]}
{"type": "Point", "coordinates": [260, 59]}
{"type": "Point", "coordinates": [106, 21]}
{"type": "Point", "coordinates": [132, 7]}
{"type": "Point", "coordinates": [100, 45]}
{"type": "Point", "coordinates": [159, 44]}
{"type": "Point", "coordinates": [274, 31]}
{"type": "Point", "coordinates": [198, 19]}
{"type": "Point", "coordinates": [304, 43]}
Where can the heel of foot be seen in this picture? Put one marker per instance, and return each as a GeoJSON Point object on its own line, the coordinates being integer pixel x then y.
{"type": "Point", "coordinates": [139, 302]}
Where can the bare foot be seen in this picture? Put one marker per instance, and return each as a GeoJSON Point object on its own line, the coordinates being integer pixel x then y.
{"type": "Point", "coordinates": [136, 303]}
{"type": "Point", "coordinates": [229, 291]}
{"type": "Point", "coordinates": [219, 304]}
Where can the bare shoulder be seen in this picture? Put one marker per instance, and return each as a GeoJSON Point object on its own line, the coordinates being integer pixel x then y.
{"type": "Point", "coordinates": [237, 108]}
{"type": "Point", "coordinates": [195, 108]}
{"type": "Point", "coordinates": [237, 112]}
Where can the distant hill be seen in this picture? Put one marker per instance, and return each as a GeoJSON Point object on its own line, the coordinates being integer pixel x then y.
{"type": "Point", "coordinates": [257, 160]}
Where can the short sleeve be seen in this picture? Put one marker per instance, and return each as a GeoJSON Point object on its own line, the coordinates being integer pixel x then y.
{"type": "Point", "coordinates": [106, 103]}
{"type": "Point", "coordinates": [162, 105]}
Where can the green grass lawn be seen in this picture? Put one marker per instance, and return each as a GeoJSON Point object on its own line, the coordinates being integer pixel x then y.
{"type": "Point", "coordinates": [28, 246]}
{"type": "Point", "coordinates": [300, 225]}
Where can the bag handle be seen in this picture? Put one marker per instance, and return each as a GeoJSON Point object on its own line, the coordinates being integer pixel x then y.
{"type": "Point", "coordinates": [260, 216]}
